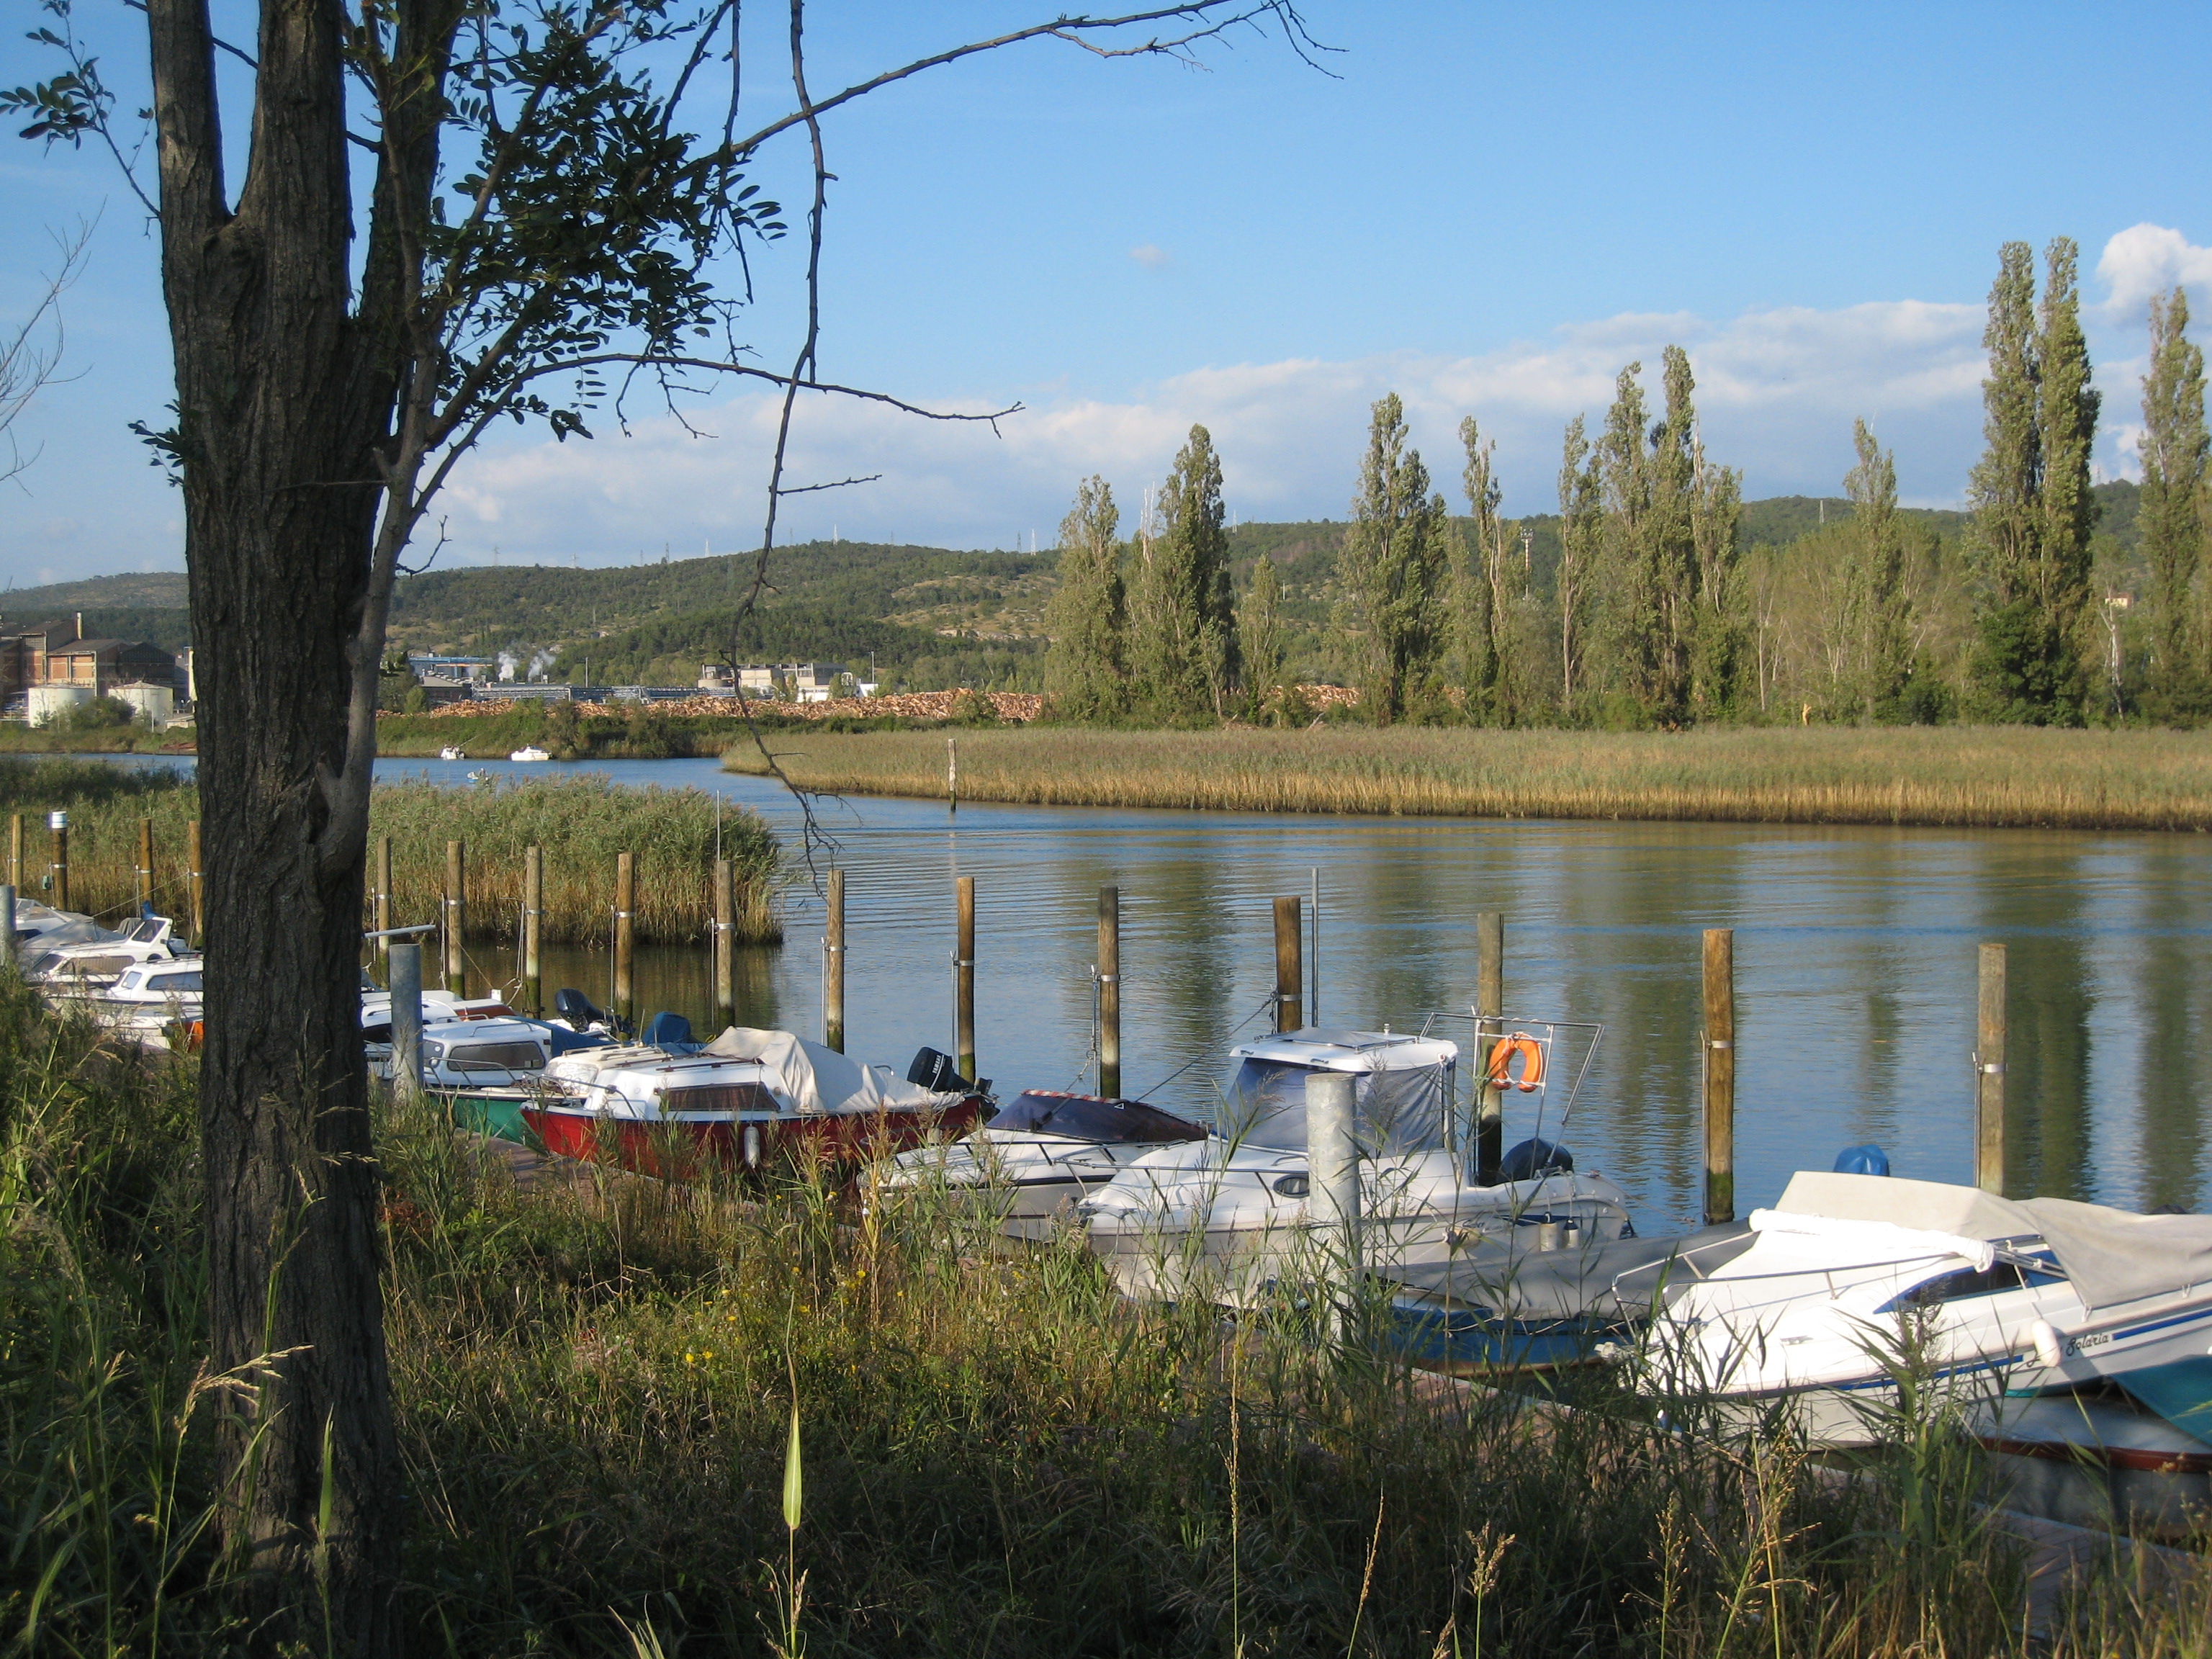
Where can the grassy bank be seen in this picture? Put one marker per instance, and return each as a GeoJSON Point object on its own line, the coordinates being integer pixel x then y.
{"type": "Point", "coordinates": [1955, 775]}
{"type": "Point", "coordinates": [594, 1390]}
{"type": "Point", "coordinates": [580, 822]}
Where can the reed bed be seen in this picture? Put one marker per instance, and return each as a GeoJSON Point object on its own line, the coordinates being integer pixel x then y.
{"type": "Point", "coordinates": [595, 1383]}
{"type": "Point", "coordinates": [582, 822]}
{"type": "Point", "coordinates": [1990, 777]}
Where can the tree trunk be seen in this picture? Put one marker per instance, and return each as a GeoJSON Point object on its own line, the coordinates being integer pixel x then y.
{"type": "Point", "coordinates": [277, 419]}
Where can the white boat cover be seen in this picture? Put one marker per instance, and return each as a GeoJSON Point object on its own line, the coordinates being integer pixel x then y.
{"type": "Point", "coordinates": [820, 1079]}
{"type": "Point", "coordinates": [2111, 1256]}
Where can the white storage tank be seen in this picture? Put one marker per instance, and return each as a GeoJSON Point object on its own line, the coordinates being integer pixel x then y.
{"type": "Point", "coordinates": [50, 702]}
{"type": "Point", "coordinates": [152, 703]}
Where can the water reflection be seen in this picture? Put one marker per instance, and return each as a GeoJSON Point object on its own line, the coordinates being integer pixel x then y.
{"type": "Point", "coordinates": [1855, 962]}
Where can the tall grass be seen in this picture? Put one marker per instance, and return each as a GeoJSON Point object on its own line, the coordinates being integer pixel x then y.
{"type": "Point", "coordinates": [582, 822]}
{"type": "Point", "coordinates": [1994, 776]}
{"type": "Point", "coordinates": [595, 1385]}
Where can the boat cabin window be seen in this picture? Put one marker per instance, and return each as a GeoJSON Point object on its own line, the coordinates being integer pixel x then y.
{"type": "Point", "coordinates": [1088, 1117]}
{"type": "Point", "coordinates": [1967, 1282]}
{"type": "Point", "coordinates": [495, 1057]}
{"type": "Point", "coordinates": [147, 930]}
{"type": "Point", "coordinates": [174, 984]}
{"type": "Point", "coordinates": [91, 967]}
{"type": "Point", "coordinates": [1396, 1112]}
{"type": "Point", "coordinates": [42, 962]}
{"type": "Point", "coordinates": [719, 1097]}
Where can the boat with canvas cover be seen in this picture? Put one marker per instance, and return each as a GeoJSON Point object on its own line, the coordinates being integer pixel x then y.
{"type": "Point", "coordinates": [64, 968]}
{"type": "Point", "coordinates": [1544, 1295]}
{"type": "Point", "coordinates": [1041, 1155]}
{"type": "Point", "coordinates": [743, 1100]}
{"type": "Point", "coordinates": [2019, 1295]}
{"type": "Point", "coordinates": [1225, 1218]}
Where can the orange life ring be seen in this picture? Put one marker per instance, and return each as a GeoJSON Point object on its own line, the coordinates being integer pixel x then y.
{"type": "Point", "coordinates": [1532, 1063]}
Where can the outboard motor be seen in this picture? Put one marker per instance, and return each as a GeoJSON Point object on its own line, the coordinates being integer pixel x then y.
{"type": "Point", "coordinates": [934, 1071]}
{"type": "Point", "coordinates": [1532, 1160]}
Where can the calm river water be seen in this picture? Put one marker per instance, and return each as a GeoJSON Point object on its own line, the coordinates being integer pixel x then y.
{"type": "Point", "coordinates": [1855, 956]}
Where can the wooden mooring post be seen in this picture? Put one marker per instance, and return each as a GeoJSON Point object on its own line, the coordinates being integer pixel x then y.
{"type": "Point", "coordinates": [1720, 1075]}
{"type": "Point", "coordinates": [16, 852]}
{"type": "Point", "coordinates": [833, 963]}
{"type": "Point", "coordinates": [196, 885]}
{"type": "Point", "coordinates": [455, 917]}
{"type": "Point", "coordinates": [725, 963]}
{"type": "Point", "coordinates": [1290, 965]}
{"type": "Point", "coordinates": [1109, 992]}
{"type": "Point", "coordinates": [1489, 1004]}
{"type": "Point", "coordinates": [58, 822]}
{"type": "Point", "coordinates": [382, 907]}
{"type": "Point", "coordinates": [625, 934]}
{"type": "Point", "coordinates": [1990, 1073]}
{"type": "Point", "coordinates": [534, 928]}
{"type": "Point", "coordinates": [963, 982]}
{"type": "Point", "coordinates": [952, 777]}
{"type": "Point", "coordinates": [144, 870]}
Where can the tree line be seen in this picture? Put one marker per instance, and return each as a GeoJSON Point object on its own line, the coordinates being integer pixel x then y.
{"type": "Point", "coordinates": [1639, 604]}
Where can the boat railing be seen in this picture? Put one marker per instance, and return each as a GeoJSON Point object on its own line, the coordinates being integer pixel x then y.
{"type": "Point", "coordinates": [1561, 1045]}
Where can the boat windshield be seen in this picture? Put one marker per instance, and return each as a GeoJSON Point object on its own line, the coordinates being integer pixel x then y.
{"type": "Point", "coordinates": [1397, 1112]}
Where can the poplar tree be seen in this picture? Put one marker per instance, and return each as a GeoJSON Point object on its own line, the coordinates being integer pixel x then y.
{"type": "Point", "coordinates": [2030, 492]}
{"type": "Point", "coordinates": [1188, 650]}
{"type": "Point", "coordinates": [2171, 511]}
{"type": "Point", "coordinates": [1633, 602]}
{"type": "Point", "coordinates": [1474, 594]}
{"type": "Point", "coordinates": [1582, 530]}
{"type": "Point", "coordinates": [1391, 566]}
{"type": "Point", "coordinates": [1879, 608]}
{"type": "Point", "coordinates": [1259, 632]}
{"type": "Point", "coordinates": [1085, 670]}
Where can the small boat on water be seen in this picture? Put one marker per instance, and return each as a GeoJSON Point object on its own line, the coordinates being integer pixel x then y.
{"type": "Point", "coordinates": [745, 1100]}
{"type": "Point", "coordinates": [1042, 1154]}
{"type": "Point", "coordinates": [1226, 1218]}
{"type": "Point", "coordinates": [529, 752]}
{"type": "Point", "coordinates": [2022, 1296]}
{"type": "Point", "coordinates": [452, 751]}
{"type": "Point", "coordinates": [1544, 1295]}
{"type": "Point", "coordinates": [94, 964]}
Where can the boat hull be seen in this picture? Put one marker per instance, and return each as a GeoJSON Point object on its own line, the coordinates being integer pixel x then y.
{"type": "Point", "coordinates": [493, 1112]}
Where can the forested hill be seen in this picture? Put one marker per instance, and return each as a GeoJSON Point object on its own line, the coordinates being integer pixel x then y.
{"type": "Point", "coordinates": [929, 616]}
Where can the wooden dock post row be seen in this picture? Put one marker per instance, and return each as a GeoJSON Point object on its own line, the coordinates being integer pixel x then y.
{"type": "Point", "coordinates": [143, 872]}
{"type": "Point", "coordinates": [58, 822]}
{"type": "Point", "coordinates": [1990, 1073]}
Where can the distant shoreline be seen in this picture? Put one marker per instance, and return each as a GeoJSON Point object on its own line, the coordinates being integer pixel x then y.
{"type": "Point", "coordinates": [1943, 777]}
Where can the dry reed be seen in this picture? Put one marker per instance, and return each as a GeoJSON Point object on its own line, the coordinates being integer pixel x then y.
{"type": "Point", "coordinates": [1959, 776]}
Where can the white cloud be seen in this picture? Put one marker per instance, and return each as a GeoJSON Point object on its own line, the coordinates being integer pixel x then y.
{"type": "Point", "coordinates": [1150, 257]}
{"type": "Point", "coordinates": [1777, 391]}
{"type": "Point", "coordinates": [2141, 260]}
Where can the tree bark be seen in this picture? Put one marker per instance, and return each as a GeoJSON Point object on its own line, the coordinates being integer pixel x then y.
{"type": "Point", "coordinates": [279, 412]}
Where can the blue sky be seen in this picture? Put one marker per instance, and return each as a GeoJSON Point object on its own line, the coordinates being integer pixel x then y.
{"type": "Point", "coordinates": [1491, 211]}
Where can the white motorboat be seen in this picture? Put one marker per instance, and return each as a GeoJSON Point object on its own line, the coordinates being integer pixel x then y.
{"type": "Point", "coordinates": [152, 1001]}
{"type": "Point", "coordinates": [1226, 1218]}
{"type": "Point", "coordinates": [472, 1053]}
{"type": "Point", "coordinates": [1997, 1295]}
{"type": "Point", "coordinates": [93, 965]}
{"type": "Point", "coordinates": [529, 752]}
{"type": "Point", "coordinates": [1041, 1155]}
{"type": "Point", "coordinates": [452, 751]}
{"type": "Point", "coordinates": [742, 1100]}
